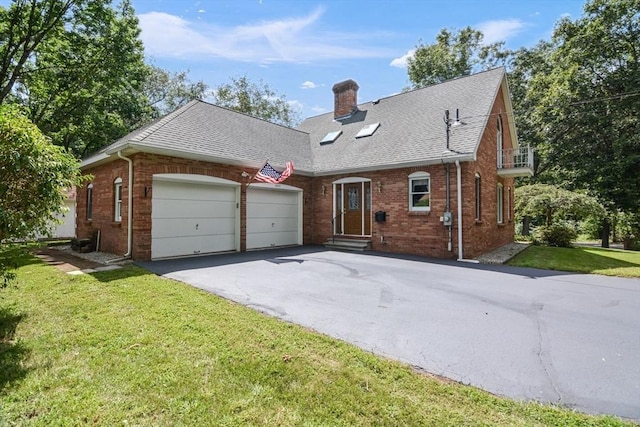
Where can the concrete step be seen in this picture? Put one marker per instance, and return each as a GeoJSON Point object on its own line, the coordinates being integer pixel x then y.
{"type": "Point", "coordinates": [348, 244]}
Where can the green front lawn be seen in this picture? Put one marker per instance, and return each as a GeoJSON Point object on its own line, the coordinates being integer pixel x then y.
{"type": "Point", "coordinates": [610, 262]}
{"type": "Point", "coordinates": [129, 348]}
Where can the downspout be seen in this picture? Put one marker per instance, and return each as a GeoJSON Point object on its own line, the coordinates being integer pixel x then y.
{"type": "Point", "coordinates": [129, 206]}
{"type": "Point", "coordinates": [459, 185]}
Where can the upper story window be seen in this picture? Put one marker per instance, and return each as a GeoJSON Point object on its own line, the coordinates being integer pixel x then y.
{"type": "Point", "coordinates": [89, 202]}
{"type": "Point", "coordinates": [499, 141]}
{"type": "Point", "coordinates": [117, 192]}
{"type": "Point", "coordinates": [478, 193]}
{"type": "Point", "coordinates": [419, 191]}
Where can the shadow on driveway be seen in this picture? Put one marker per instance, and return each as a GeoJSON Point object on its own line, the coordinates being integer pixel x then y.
{"type": "Point", "coordinates": [282, 255]}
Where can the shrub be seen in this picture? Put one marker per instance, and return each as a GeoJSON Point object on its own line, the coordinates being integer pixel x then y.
{"type": "Point", "coordinates": [556, 234]}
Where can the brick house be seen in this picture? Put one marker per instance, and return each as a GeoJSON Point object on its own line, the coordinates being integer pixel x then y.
{"type": "Point", "coordinates": [427, 172]}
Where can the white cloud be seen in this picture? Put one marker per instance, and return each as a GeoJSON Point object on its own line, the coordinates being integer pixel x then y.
{"type": "Point", "coordinates": [308, 85]}
{"type": "Point", "coordinates": [318, 109]}
{"type": "Point", "coordinates": [500, 30]}
{"type": "Point", "coordinates": [291, 39]}
{"type": "Point", "coordinates": [403, 61]}
{"type": "Point", "coordinates": [296, 105]}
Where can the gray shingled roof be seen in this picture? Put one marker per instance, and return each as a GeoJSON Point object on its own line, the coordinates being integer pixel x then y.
{"type": "Point", "coordinates": [412, 127]}
{"type": "Point", "coordinates": [411, 132]}
{"type": "Point", "coordinates": [205, 130]}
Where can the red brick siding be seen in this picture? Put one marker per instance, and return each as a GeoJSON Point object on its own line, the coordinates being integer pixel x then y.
{"type": "Point", "coordinates": [114, 236]}
{"type": "Point", "coordinates": [419, 233]}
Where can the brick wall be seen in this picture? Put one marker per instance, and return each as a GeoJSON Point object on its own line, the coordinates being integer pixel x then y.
{"type": "Point", "coordinates": [419, 233]}
{"type": "Point", "coordinates": [114, 235]}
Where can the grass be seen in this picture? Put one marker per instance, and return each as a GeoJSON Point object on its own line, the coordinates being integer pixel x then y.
{"type": "Point", "coordinates": [610, 262]}
{"type": "Point", "coordinates": [126, 347]}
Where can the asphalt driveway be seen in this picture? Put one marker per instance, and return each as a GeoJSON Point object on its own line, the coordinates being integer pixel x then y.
{"type": "Point", "coordinates": [568, 339]}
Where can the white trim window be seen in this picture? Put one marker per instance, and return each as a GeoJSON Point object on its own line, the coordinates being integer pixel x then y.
{"type": "Point", "coordinates": [500, 204]}
{"type": "Point", "coordinates": [508, 203]}
{"type": "Point", "coordinates": [419, 192]}
{"type": "Point", "coordinates": [89, 202]}
{"type": "Point", "coordinates": [478, 199]}
{"type": "Point", "coordinates": [117, 192]}
{"type": "Point", "coordinates": [499, 141]}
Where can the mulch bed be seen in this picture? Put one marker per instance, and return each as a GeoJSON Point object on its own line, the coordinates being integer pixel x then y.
{"type": "Point", "coordinates": [64, 261]}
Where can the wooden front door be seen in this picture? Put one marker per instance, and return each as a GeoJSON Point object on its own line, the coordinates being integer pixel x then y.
{"type": "Point", "coordinates": [353, 209]}
{"type": "Point", "coordinates": [352, 206]}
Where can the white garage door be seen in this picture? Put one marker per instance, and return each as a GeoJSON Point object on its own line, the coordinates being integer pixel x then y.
{"type": "Point", "coordinates": [193, 214]}
{"type": "Point", "coordinates": [274, 216]}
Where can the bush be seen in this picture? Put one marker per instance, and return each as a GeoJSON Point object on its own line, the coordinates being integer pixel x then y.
{"type": "Point", "coordinates": [560, 235]}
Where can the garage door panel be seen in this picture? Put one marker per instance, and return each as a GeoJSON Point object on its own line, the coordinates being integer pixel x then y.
{"type": "Point", "coordinates": [166, 208]}
{"type": "Point", "coordinates": [273, 218]}
{"type": "Point", "coordinates": [258, 225]}
{"type": "Point", "coordinates": [266, 240]}
{"type": "Point", "coordinates": [263, 210]}
{"type": "Point", "coordinates": [179, 227]}
{"type": "Point", "coordinates": [190, 245]}
{"type": "Point", "coordinates": [190, 217]}
{"type": "Point", "coordinates": [184, 191]}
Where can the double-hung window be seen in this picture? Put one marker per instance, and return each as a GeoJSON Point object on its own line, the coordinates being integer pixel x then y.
{"type": "Point", "coordinates": [117, 192]}
{"type": "Point", "coordinates": [500, 204]}
{"type": "Point", "coordinates": [419, 192]}
{"type": "Point", "coordinates": [89, 202]}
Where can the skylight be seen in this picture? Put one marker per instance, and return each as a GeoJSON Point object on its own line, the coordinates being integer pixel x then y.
{"type": "Point", "coordinates": [331, 137]}
{"type": "Point", "coordinates": [368, 130]}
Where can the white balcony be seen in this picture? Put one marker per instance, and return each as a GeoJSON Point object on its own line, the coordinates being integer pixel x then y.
{"type": "Point", "coordinates": [513, 162]}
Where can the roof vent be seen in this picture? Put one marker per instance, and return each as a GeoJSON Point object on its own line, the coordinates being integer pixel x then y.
{"type": "Point", "coordinates": [368, 130]}
{"type": "Point", "coordinates": [330, 137]}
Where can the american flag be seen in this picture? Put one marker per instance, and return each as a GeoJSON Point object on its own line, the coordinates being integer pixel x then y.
{"type": "Point", "coordinates": [269, 174]}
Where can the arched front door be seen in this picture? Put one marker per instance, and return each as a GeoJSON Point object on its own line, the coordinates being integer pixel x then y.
{"type": "Point", "coordinates": [352, 206]}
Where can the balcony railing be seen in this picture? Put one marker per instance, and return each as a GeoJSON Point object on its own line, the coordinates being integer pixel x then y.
{"type": "Point", "coordinates": [514, 162]}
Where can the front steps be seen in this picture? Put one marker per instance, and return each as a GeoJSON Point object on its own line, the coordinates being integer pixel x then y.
{"type": "Point", "coordinates": [348, 244]}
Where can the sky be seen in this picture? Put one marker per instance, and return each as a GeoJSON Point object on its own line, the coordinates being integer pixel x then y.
{"type": "Point", "coordinates": [302, 48]}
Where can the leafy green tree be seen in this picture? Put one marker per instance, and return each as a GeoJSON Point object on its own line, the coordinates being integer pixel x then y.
{"type": "Point", "coordinates": [34, 177]}
{"type": "Point", "coordinates": [255, 99]}
{"type": "Point", "coordinates": [588, 104]}
{"type": "Point", "coordinates": [548, 204]}
{"type": "Point", "coordinates": [168, 91]}
{"type": "Point", "coordinates": [77, 66]}
{"type": "Point", "coordinates": [453, 55]}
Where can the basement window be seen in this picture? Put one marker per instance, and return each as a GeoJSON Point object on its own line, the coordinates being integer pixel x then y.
{"type": "Point", "coordinates": [331, 137]}
{"type": "Point", "coordinates": [368, 130]}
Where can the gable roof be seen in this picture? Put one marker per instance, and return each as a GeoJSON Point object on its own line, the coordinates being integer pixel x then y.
{"type": "Point", "coordinates": [412, 129]}
{"type": "Point", "coordinates": [203, 131]}
{"type": "Point", "coordinates": [411, 132]}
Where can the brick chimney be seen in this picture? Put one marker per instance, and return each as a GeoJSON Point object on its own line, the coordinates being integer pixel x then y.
{"type": "Point", "coordinates": [345, 95]}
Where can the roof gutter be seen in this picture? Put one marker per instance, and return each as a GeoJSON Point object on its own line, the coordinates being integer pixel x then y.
{"type": "Point", "coordinates": [129, 206]}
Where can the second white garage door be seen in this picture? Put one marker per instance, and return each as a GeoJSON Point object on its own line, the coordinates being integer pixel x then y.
{"type": "Point", "coordinates": [274, 216]}
{"type": "Point", "coordinates": [193, 214]}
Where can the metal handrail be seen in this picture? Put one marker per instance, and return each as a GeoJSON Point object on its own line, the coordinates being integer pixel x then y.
{"type": "Point", "coordinates": [521, 157]}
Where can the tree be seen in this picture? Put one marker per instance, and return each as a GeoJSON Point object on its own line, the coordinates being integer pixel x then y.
{"type": "Point", "coordinates": [453, 55]}
{"type": "Point", "coordinates": [168, 91]}
{"type": "Point", "coordinates": [34, 175]}
{"type": "Point", "coordinates": [588, 104]}
{"type": "Point", "coordinates": [548, 204]}
{"type": "Point", "coordinates": [77, 66]}
{"type": "Point", "coordinates": [255, 99]}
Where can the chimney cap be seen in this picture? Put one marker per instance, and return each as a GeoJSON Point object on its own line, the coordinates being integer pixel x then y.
{"type": "Point", "coordinates": [345, 85]}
